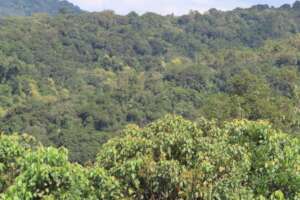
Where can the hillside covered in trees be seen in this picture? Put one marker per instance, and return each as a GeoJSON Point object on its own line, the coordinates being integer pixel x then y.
{"type": "Point", "coordinates": [75, 80]}
{"type": "Point", "coordinates": [170, 159]}
{"type": "Point", "coordinates": [29, 7]}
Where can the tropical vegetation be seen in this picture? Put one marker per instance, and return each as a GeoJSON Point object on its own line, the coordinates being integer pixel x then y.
{"type": "Point", "coordinates": [171, 158]}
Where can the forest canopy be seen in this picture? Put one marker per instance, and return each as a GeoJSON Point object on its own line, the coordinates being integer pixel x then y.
{"type": "Point", "coordinates": [172, 158]}
{"type": "Point", "coordinates": [101, 106]}
{"type": "Point", "coordinates": [75, 80]}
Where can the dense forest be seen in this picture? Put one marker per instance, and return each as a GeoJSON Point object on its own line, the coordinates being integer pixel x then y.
{"type": "Point", "coordinates": [100, 106]}
{"type": "Point", "coordinates": [29, 7]}
{"type": "Point", "coordinates": [170, 159]}
{"type": "Point", "coordinates": [76, 80]}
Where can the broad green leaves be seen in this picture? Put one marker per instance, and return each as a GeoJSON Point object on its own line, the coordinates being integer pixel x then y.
{"type": "Point", "coordinates": [174, 158]}
{"type": "Point", "coordinates": [171, 158]}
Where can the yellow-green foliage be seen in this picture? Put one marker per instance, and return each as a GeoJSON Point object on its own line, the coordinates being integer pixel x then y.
{"type": "Point", "coordinates": [169, 159]}
{"type": "Point", "coordinates": [31, 172]}
{"type": "Point", "coordinates": [176, 159]}
{"type": "Point", "coordinates": [176, 61]}
{"type": "Point", "coordinates": [34, 91]}
{"type": "Point", "coordinates": [2, 112]}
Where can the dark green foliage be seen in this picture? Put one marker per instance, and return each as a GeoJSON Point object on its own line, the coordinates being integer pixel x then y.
{"type": "Point", "coordinates": [75, 80]}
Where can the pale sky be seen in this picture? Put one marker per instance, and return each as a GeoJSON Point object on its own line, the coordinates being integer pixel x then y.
{"type": "Point", "coordinates": [177, 7]}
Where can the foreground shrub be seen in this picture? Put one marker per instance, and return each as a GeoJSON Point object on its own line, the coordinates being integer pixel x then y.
{"type": "Point", "coordinates": [169, 159]}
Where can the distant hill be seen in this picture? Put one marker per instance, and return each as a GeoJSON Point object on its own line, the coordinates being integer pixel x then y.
{"type": "Point", "coordinates": [28, 7]}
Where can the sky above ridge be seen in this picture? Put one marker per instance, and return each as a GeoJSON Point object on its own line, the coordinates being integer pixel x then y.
{"type": "Point", "coordinates": [177, 7]}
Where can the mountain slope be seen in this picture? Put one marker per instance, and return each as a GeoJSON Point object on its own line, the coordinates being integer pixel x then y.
{"type": "Point", "coordinates": [75, 80]}
{"type": "Point", "coordinates": [28, 7]}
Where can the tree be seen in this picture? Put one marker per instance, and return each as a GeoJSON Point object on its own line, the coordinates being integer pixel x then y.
{"type": "Point", "coordinates": [176, 159]}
